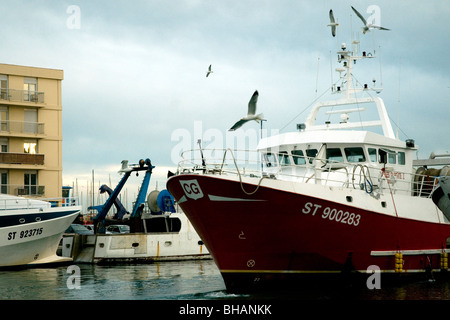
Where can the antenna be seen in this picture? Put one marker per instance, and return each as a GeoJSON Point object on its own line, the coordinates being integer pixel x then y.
{"type": "Point", "coordinates": [381, 69]}
{"type": "Point", "coordinates": [317, 76]}
{"type": "Point", "coordinates": [331, 73]}
{"type": "Point", "coordinates": [398, 97]}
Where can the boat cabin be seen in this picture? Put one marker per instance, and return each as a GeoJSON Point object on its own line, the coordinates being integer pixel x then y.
{"type": "Point", "coordinates": [341, 157]}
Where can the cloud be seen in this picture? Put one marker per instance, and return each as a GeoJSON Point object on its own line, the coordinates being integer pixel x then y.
{"type": "Point", "coordinates": [135, 72]}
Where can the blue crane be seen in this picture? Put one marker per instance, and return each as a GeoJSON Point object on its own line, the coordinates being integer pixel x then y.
{"type": "Point", "coordinates": [99, 220]}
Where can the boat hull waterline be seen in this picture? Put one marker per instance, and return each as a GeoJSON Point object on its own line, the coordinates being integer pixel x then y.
{"type": "Point", "coordinates": [278, 234]}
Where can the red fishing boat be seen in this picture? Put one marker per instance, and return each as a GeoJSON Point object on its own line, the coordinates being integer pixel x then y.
{"type": "Point", "coordinates": [331, 200]}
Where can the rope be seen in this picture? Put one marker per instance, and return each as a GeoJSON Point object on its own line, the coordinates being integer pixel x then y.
{"type": "Point", "coordinates": [367, 178]}
{"type": "Point", "coordinates": [390, 190]}
{"type": "Point", "coordinates": [239, 173]}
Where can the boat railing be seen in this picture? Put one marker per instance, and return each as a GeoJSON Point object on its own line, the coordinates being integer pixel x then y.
{"type": "Point", "coordinates": [33, 203]}
{"type": "Point", "coordinates": [374, 178]}
{"type": "Point", "coordinates": [220, 161]}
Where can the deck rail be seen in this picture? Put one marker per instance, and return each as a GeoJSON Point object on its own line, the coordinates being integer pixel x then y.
{"type": "Point", "coordinates": [32, 203]}
{"type": "Point", "coordinates": [374, 178]}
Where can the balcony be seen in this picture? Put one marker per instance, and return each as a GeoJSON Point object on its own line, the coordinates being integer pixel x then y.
{"type": "Point", "coordinates": [21, 127]}
{"type": "Point", "coordinates": [22, 190]}
{"type": "Point", "coordinates": [14, 95]}
{"type": "Point", "coordinates": [31, 190]}
{"type": "Point", "coordinates": [21, 158]}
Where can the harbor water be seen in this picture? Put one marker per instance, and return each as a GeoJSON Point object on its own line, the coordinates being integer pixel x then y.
{"type": "Point", "coordinates": [187, 280]}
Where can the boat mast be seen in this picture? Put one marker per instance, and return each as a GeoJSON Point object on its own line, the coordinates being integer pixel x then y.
{"type": "Point", "coordinates": [348, 92]}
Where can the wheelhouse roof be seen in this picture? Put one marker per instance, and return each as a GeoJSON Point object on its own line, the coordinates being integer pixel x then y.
{"type": "Point", "coordinates": [329, 136]}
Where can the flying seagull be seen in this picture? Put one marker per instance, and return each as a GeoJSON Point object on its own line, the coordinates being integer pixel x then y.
{"type": "Point", "coordinates": [332, 24]}
{"type": "Point", "coordinates": [367, 26]}
{"type": "Point", "coordinates": [250, 114]}
{"type": "Point", "coordinates": [209, 71]}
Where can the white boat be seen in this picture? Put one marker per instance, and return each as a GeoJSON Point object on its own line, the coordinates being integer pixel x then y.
{"type": "Point", "coordinates": [173, 238]}
{"type": "Point", "coordinates": [30, 230]}
{"type": "Point", "coordinates": [159, 229]}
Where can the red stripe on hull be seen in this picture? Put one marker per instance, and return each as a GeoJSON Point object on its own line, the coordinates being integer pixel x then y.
{"type": "Point", "coordinates": [279, 232]}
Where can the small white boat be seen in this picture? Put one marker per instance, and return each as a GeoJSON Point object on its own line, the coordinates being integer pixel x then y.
{"type": "Point", "coordinates": [158, 230]}
{"type": "Point", "coordinates": [170, 237]}
{"type": "Point", "coordinates": [30, 230]}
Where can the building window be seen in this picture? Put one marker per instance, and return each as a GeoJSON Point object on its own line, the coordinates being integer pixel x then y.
{"type": "Point", "coordinates": [3, 87]}
{"type": "Point", "coordinates": [4, 182]}
{"type": "Point", "coordinates": [3, 144]}
{"type": "Point", "coordinates": [30, 183]}
{"type": "Point", "coordinates": [30, 147]}
{"type": "Point", "coordinates": [30, 118]}
{"type": "Point", "coordinates": [4, 119]}
{"type": "Point", "coordinates": [30, 89]}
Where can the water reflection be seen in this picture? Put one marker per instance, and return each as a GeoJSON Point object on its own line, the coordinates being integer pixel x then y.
{"type": "Point", "coordinates": [177, 280]}
{"type": "Point", "coordinates": [165, 280]}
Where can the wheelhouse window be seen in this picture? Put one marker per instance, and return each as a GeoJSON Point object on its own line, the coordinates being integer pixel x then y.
{"type": "Point", "coordinates": [270, 159]}
{"type": "Point", "coordinates": [335, 155]}
{"type": "Point", "coordinates": [355, 154]}
{"type": "Point", "coordinates": [283, 158]}
{"type": "Point", "coordinates": [401, 158]}
{"type": "Point", "coordinates": [298, 157]}
{"type": "Point", "coordinates": [387, 156]}
{"type": "Point", "coordinates": [392, 157]}
{"type": "Point", "coordinates": [311, 153]}
{"type": "Point", "coordinates": [372, 154]}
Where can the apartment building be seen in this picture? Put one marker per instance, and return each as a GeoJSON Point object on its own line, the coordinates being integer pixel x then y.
{"type": "Point", "coordinates": [30, 131]}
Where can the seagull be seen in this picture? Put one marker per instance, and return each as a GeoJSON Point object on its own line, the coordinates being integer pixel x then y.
{"type": "Point", "coordinates": [332, 24]}
{"type": "Point", "coordinates": [209, 71]}
{"type": "Point", "coordinates": [250, 114]}
{"type": "Point", "coordinates": [367, 26]}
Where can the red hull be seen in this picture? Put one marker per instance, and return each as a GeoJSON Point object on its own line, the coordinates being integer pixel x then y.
{"type": "Point", "coordinates": [275, 234]}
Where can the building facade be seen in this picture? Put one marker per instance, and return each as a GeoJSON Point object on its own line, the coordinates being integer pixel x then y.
{"type": "Point", "coordinates": [30, 131]}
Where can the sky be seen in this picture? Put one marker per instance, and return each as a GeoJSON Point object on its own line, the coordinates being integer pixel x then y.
{"type": "Point", "coordinates": [135, 82]}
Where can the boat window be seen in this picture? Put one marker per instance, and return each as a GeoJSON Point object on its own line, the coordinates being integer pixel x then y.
{"type": "Point", "coordinates": [283, 158]}
{"type": "Point", "coordinates": [270, 159]}
{"type": "Point", "coordinates": [382, 156]}
{"type": "Point", "coordinates": [373, 154]}
{"type": "Point", "coordinates": [401, 158]}
{"type": "Point", "coordinates": [163, 224]}
{"type": "Point", "coordinates": [355, 154]}
{"type": "Point", "coordinates": [298, 157]}
{"type": "Point", "coordinates": [387, 156]}
{"type": "Point", "coordinates": [391, 157]}
{"type": "Point", "coordinates": [335, 155]}
{"type": "Point", "coordinates": [311, 153]}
